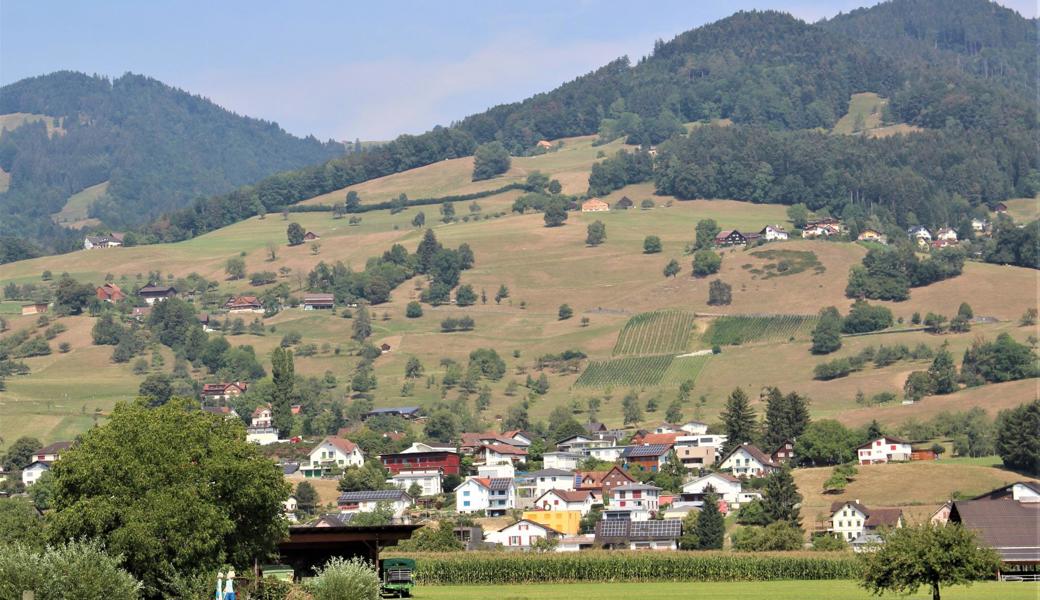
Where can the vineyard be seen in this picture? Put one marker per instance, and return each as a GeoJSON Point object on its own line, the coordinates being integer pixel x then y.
{"type": "Point", "coordinates": [741, 329]}
{"type": "Point", "coordinates": [658, 332]}
{"type": "Point", "coordinates": [627, 372]}
{"type": "Point", "coordinates": [683, 368]}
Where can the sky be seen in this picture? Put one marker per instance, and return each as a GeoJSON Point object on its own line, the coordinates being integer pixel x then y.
{"type": "Point", "coordinates": [369, 70]}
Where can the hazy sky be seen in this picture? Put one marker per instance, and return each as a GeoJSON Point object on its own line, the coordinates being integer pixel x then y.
{"type": "Point", "coordinates": [357, 69]}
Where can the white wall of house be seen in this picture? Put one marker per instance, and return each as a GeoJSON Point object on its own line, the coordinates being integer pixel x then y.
{"type": "Point", "coordinates": [848, 522]}
{"type": "Point", "coordinates": [741, 462]}
{"type": "Point", "coordinates": [429, 481]}
{"type": "Point", "coordinates": [399, 507]}
{"type": "Point", "coordinates": [884, 450]}
{"type": "Point", "coordinates": [325, 452]}
{"type": "Point", "coordinates": [32, 473]}
{"type": "Point", "coordinates": [544, 483]}
{"type": "Point", "coordinates": [726, 489]}
{"type": "Point", "coordinates": [262, 436]}
{"type": "Point", "coordinates": [551, 502]}
{"type": "Point", "coordinates": [605, 453]}
{"type": "Point", "coordinates": [522, 534]}
{"type": "Point", "coordinates": [560, 460]}
{"type": "Point", "coordinates": [472, 497]}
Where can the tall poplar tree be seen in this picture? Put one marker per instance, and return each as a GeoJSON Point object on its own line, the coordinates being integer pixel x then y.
{"type": "Point", "coordinates": [362, 327]}
{"type": "Point", "coordinates": [284, 378]}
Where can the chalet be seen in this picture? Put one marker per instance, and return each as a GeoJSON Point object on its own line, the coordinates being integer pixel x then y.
{"type": "Point", "coordinates": [522, 534]}
{"type": "Point", "coordinates": [1007, 520]}
{"type": "Point", "coordinates": [624, 203]}
{"type": "Point", "coordinates": [544, 145]}
{"type": "Point", "coordinates": [946, 234]}
{"type": "Point", "coordinates": [493, 454]}
{"type": "Point", "coordinates": [242, 304]}
{"type": "Point", "coordinates": [224, 391]}
{"type": "Point", "coordinates": [493, 496]}
{"type": "Point", "coordinates": [32, 473]}
{"type": "Point", "coordinates": [633, 502]}
{"type": "Point", "coordinates": [773, 232]}
{"type": "Point", "coordinates": [51, 452]}
{"type": "Point", "coordinates": [730, 237]}
{"type": "Point", "coordinates": [428, 481]}
{"type": "Point", "coordinates": [859, 525]}
{"type": "Point", "coordinates": [262, 416]}
{"type": "Point", "coordinates": [783, 453]}
{"type": "Point", "coordinates": [422, 457]}
{"type": "Point", "coordinates": [310, 236]}
{"type": "Point", "coordinates": [318, 301]}
{"type": "Point", "coordinates": [872, 235]}
{"type": "Point", "coordinates": [649, 457]}
{"type": "Point", "coordinates": [594, 205]}
{"type": "Point", "coordinates": [884, 449]}
{"type": "Point", "coordinates": [333, 452]}
{"type": "Point", "coordinates": [103, 241]}
{"type": "Point", "coordinates": [35, 308]}
{"type": "Point", "coordinates": [369, 500]}
{"type": "Point", "coordinates": [567, 522]}
{"type": "Point", "coordinates": [153, 293]}
{"type": "Point", "coordinates": [109, 292]}
{"type": "Point", "coordinates": [408, 412]}
{"type": "Point", "coordinates": [747, 460]}
{"type": "Point", "coordinates": [728, 488]}
{"type": "Point", "coordinates": [920, 235]}
{"type": "Point", "coordinates": [603, 483]}
{"type": "Point", "coordinates": [1000, 208]}
{"type": "Point", "coordinates": [556, 500]}
{"type": "Point", "coordinates": [644, 535]}
{"type": "Point", "coordinates": [815, 229]}
{"type": "Point", "coordinates": [552, 479]}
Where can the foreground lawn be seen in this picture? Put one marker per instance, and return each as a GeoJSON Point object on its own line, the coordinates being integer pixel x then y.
{"type": "Point", "coordinates": [772, 590]}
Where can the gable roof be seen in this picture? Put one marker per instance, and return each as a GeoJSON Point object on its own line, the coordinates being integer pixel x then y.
{"type": "Point", "coordinates": [764, 459]}
{"type": "Point", "coordinates": [648, 450]}
{"type": "Point", "coordinates": [597, 477]}
{"type": "Point", "coordinates": [55, 448]}
{"type": "Point", "coordinates": [504, 449]}
{"type": "Point", "coordinates": [490, 483]}
{"type": "Point", "coordinates": [1009, 527]}
{"type": "Point", "coordinates": [157, 289]}
{"type": "Point", "coordinates": [876, 517]}
{"type": "Point", "coordinates": [318, 298]}
{"type": "Point", "coordinates": [888, 439]}
{"type": "Point", "coordinates": [568, 495]}
{"type": "Point", "coordinates": [661, 438]}
{"type": "Point", "coordinates": [343, 444]}
{"type": "Point", "coordinates": [530, 522]}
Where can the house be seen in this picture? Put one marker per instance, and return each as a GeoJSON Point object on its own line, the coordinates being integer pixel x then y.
{"type": "Point", "coordinates": [643, 535]}
{"type": "Point", "coordinates": [522, 534]}
{"type": "Point", "coordinates": [946, 234]}
{"type": "Point", "coordinates": [581, 444]}
{"type": "Point", "coordinates": [318, 301]}
{"type": "Point", "coordinates": [35, 308]}
{"type": "Point", "coordinates": [221, 411]}
{"type": "Point", "coordinates": [493, 454]}
{"type": "Point", "coordinates": [384, 348]}
{"type": "Point", "coordinates": [153, 293]}
{"type": "Point", "coordinates": [289, 507]}
{"type": "Point", "coordinates": [633, 502]}
{"type": "Point", "coordinates": [333, 452]}
{"type": "Point", "coordinates": [941, 516]}
{"type": "Point", "coordinates": [552, 479]}
{"type": "Point", "coordinates": [624, 203]}
{"type": "Point", "coordinates": [262, 416]}
{"type": "Point", "coordinates": [493, 496]}
{"type": "Point", "coordinates": [602, 483]}
{"type": "Point", "coordinates": [1000, 208]}
{"type": "Point", "coordinates": [694, 456]}
{"type": "Point", "coordinates": [922, 452]}
{"type": "Point", "coordinates": [222, 392]}
{"type": "Point", "coordinates": [51, 452]}
{"type": "Point", "coordinates": [575, 543]}
{"type": "Point", "coordinates": [694, 428]}
{"type": "Point", "coordinates": [567, 522]}
{"type": "Point", "coordinates": [1008, 520]}
{"type": "Point", "coordinates": [469, 442]}
{"type": "Point", "coordinates": [730, 237]}
{"type": "Point", "coordinates": [310, 236]}
{"type": "Point", "coordinates": [884, 449]}
{"type": "Point", "coordinates": [747, 460]}
{"type": "Point", "coordinates": [852, 521]}
{"type": "Point", "coordinates": [408, 412]}
{"type": "Point", "coordinates": [471, 537]}
{"type": "Point", "coordinates": [204, 320]}
{"type": "Point", "coordinates": [496, 471]}
{"type": "Point", "coordinates": [242, 304]}
{"type": "Point", "coordinates": [109, 292]}
{"type": "Point", "coordinates": [594, 205]}
{"type": "Point", "coordinates": [519, 438]}
{"type": "Point", "coordinates": [369, 500]}
{"type": "Point", "coordinates": [422, 457]}
{"type": "Point", "coordinates": [919, 235]}
{"type": "Point", "coordinates": [561, 460]}
{"type": "Point", "coordinates": [728, 488]}
{"type": "Point", "coordinates": [783, 453]}
{"type": "Point", "coordinates": [642, 438]}
{"type": "Point", "coordinates": [815, 229]}
{"type": "Point", "coordinates": [979, 225]}
{"type": "Point", "coordinates": [647, 457]}
{"type": "Point", "coordinates": [32, 473]}
{"type": "Point", "coordinates": [91, 242]}
{"type": "Point", "coordinates": [544, 145]}
{"type": "Point", "coordinates": [580, 501]}
{"type": "Point", "coordinates": [872, 235]}
{"type": "Point", "coordinates": [773, 232]}
{"type": "Point", "coordinates": [604, 453]}
{"type": "Point", "coordinates": [332, 520]}
{"type": "Point", "coordinates": [428, 481]}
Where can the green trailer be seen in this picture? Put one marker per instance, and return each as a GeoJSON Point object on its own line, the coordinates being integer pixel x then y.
{"type": "Point", "coordinates": [396, 579]}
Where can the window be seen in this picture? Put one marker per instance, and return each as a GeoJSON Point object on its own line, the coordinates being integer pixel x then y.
{"type": "Point", "coordinates": [465, 492]}
{"type": "Point", "coordinates": [893, 446]}
{"type": "Point", "coordinates": [877, 443]}
{"type": "Point", "coordinates": [465, 503]}
{"type": "Point", "coordinates": [514, 540]}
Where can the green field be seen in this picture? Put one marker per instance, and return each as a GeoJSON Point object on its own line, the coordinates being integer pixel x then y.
{"type": "Point", "coordinates": [74, 213]}
{"type": "Point", "coordinates": [758, 590]}
{"type": "Point", "coordinates": [865, 111]}
{"type": "Point", "coordinates": [631, 371]}
{"type": "Point", "coordinates": [683, 368]}
{"type": "Point", "coordinates": [741, 329]}
{"type": "Point", "coordinates": [783, 263]}
{"type": "Point", "coordinates": [658, 332]}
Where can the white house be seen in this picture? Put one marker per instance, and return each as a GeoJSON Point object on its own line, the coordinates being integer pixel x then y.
{"type": "Point", "coordinates": [551, 479]}
{"type": "Point", "coordinates": [369, 500]}
{"type": "Point", "coordinates": [333, 452]}
{"type": "Point", "coordinates": [429, 481]}
{"type": "Point", "coordinates": [262, 416]}
{"type": "Point", "coordinates": [34, 471]}
{"type": "Point", "coordinates": [748, 460]}
{"type": "Point", "coordinates": [639, 535]}
{"type": "Point", "coordinates": [773, 232]}
{"type": "Point", "coordinates": [605, 453]}
{"type": "Point", "coordinates": [575, 543]}
{"type": "Point", "coordinates": [556, 500]}
{"type": "Point", "coordinates": [946, 234]}
{"type": "Point", "coordinates": [633, 502]}
{"type": "Point", "coordinates": [851, 520]}
{"type": "Point", "coordinates": [522, 534]}
{"type": "Point", "coordinates": [500, 471]}
{"type": "Point", "coordinates": [520, 438]}
{"type": "Point", "coordinates": [727, 487]}
{"type": "Point", "coordinates": [496, 454]}
{"type": "Point", "coordinates": [884, 449]}
{"type": "Point", "coordinates": [561, 460]}
{"type": "Point", "coordinates": [493, 496]}
{"type": "Point", "coordinates": [261, 435]}
{"type": "Point", "coordinates": [289, 508]}
{"type": "Point", "coordinates": [920, 235]}
{"type": "Point", "coordinates": [51, 452]}
{"type": "Point", "coordinates": [980, 225]}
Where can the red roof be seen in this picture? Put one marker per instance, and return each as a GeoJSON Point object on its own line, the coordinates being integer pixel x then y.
{"type": "Point", "coordinates": [658, 438]}
{"type": "Point", "coordinates": [888, 440]}
{"type": "Point", "coordinates": [341, 443]}
{"type": "Point", "coordinates": [571, 495]}
{"type": "Point", "coordinates": [506, 449]}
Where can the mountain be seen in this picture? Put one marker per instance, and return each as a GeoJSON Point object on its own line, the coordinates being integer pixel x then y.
{"type": "Point", "coordinates": [157, 147]}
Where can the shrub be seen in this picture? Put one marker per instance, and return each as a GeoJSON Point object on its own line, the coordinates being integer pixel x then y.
{"type": "Point", "coordinates": [706, 262]}
{"type": "Point", "coordinates": [80, 570]}
{"type": "Point", "coordinates": [826, 542]}
{"type": "Point", "coordinates": [413, 310]}
{"type": "Point", "coordinates": [340, 579]}
{"type": "Point", "coordinates": [775, 536]}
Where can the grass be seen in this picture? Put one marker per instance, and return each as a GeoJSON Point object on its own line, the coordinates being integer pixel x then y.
{"type": "Point", "coordinates": [658, 332]}
{"type": "Point", "coordinates": [865, 110]}
{"type": "Point", "coordinates": [1023, 210]}
{"type": "Point", "coordinates": [74, 213]}
{"type": "Point", "coordinates": [683, 368]}
{"type": "Point", "coordinates": [742, 329]}
{"type": "Point", "coordinates": [12, 121]}
{"type": "Point", "coordinates": [774, 590]}
{"type": "Point", "coordinates": [630, 371]}
{"type": "Point", "coordinates": [788, 262]}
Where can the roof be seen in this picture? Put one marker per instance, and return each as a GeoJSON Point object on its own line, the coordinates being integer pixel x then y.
{"type": "Point", "coordinates": [340, 443]}
{"type": "Point", "coordinates": [394, 410]}
{"type": "Point", "coordinates": [551, 473]}
{"type": "Point", "coordinates": [646, 451]}
{"type": "Point", "coordinates": [331, 520]}
{"type": "Point", "coordinates": [290, 468]}
{"type": "Point", "coordinates": [598, 476]}
{"type": "Point", "coordinates": [720, 474]}
{"type": "Point", "coordinates": [491, 483]}
{"type": "Point", "coordinates": [477, 439]}
{"type": "Point", "coordinates": [243, 300]}
{"type": "Point", "coordinates": [593, 426]}
{"type": "Point", "coordinates": [763, 458]}
{"type": "Point", "coordinates": [542, 525]}
{"type": "Point", "coordinates": [876, 517]}
{"type": "Point", "coordinates": [636, 487]}
{"type": "Point", "coordinates": [505, 449]}
{"type": "Point", "coordinates": [373, 495]}
{"type": "Point", "coordinates": [888, 438]}
{"type": "Point", "coordinates": [44, 464]}
{"type": "Point", "coordinates": [1006, 491]}
{"type": "Point", "coordinates": [616, 531]}
{"type": "Point", "coordinates": [310, 298]}
{"type": "Point", "coordinates": [725, 233]}
{"type": "Point", "coordinates": [1011, 528]}
{"type": "Point", "coordinates": [570, 495]}
{"type": "Point", "coordinates": [55, 448]}
{"type": "Point", "coordinates": [662, 438]}
{"type": "Point", "coordinates": [157, 289]}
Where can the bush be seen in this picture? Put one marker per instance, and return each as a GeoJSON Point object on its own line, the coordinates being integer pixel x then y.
{"type": "Point", "coordinates": [341, 579]}
{"type": "Point", "coordinates": [651, 244]}
{"type": "Point", "coordinates": [706, 262]}
{"type": "Point", "coordinates": [79, 570]}
{"type": "Point", "coordinates": [775, 536]}
{"type": "Point", "coordinates": [826, 542]}
{"type": "Point", "coordinates": [413, 310]}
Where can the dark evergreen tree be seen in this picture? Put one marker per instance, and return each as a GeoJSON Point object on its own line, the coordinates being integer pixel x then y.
{"type": "Point", "coordinates": [283, 378]}
{"type": "Point", "coordinates": [1018, 442]}
{"type": "Point", "coordinates": [826, 336]}
{"type": "Point", "coordinates": [780, 497]}
{"type": "Point", "coordinates": [711, 525]}
{"type": "Point", "coordinates": [738, 418]}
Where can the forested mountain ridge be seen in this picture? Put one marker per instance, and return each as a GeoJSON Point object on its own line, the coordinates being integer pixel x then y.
{"type": "Point", "coordinates": [158, 147]}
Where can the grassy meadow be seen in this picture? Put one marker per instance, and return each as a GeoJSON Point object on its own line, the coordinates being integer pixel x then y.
{"type": "Point", "coordinates": [74, 214]}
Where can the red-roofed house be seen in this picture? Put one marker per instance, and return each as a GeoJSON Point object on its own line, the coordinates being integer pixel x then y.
{"type": "Point", "coordinates": [109, 292]}
{"type": "Point", "coordinates": [884, 449]}
{"type": "Point", "coordinates": [223, 391]}
{"type": "Point", "coordinates": [333, 452]}
{"type": "Point", "coordinates": [496, 454]}
{"type": "Point", "coordinates": [237, 304]}
{"type": "Point", "coordinates": [555, 500]}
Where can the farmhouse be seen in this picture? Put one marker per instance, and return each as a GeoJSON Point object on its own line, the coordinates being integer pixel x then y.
{"type": "Point", "coordinates": [225, 391]}
{"type": "Point", "coordinates": [884, 449]}
{"type": "Point", "coordinates": [103, 241]}
{"type": "Point", "coordinates": [318, 301]}
{"type": "Point", "coordinates": [773, 232]}
{"type": "Point", "coordinates": [369, 500]}
{"type": "Point", "coordinates": [153, 293]}
{"type": "Point", "coordinates": [1008, 520]}
{"type": "Point", "coordinates": [109, 292]}
{"type": "Point", "coordinates": [310, 236]}
{"type": "Point", "coordinates": [494, 496]}
{"type": "Point", "coordinates": [1000, 208]}
{"type": "Point", "coordinates": [730, 237]}
{"type": "Point", "coordinates": [645, 535]}
{"type": "Point", "coordinates": [624, 203]}
{"type": "Point", "coordinates": [35, 308]}
{"type": "Point", "coordinates": [522, 534]}
{"type": "Point", "coordinates": [783, 453]}
{"type": "Point", "coordinates": [594, 205]}
{"type": "Point", "coordinates": [858, 525]}
{"type": "Point", "coordinates": [408, 412]}
{"type": "Point", "coordinates": [569, 500]}
{"type": "Point", "coordinates": [815, 229]}
{"type": "Point", "coordinates": [747, 460]}
{"type": "Point", "coordinates": [242, 304]}
{"type": "Point", "coordinates": [567, 522]}
{"type": "Point", "coordinates": [422, 457]}
{"type": "Point", "coordinates": [333, 452]}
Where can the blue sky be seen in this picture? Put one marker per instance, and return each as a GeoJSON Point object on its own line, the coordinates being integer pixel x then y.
{"type": "Point", "coordinates": [357, 69]}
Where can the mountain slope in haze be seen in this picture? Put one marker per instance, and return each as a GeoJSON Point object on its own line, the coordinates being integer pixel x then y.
{"type": "Point", "coordinates": [157, 146]}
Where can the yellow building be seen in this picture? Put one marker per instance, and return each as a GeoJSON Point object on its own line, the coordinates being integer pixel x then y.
{"type": "Point", "coordinates": [567, 522]}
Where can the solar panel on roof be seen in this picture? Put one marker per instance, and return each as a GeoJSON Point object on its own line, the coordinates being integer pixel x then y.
{"type": "Point", "coordinates": [370, 495]}
{"type": "Point", "coordinates": [613, 528]}
{"type": "Point", "coordinates": [657, 529]}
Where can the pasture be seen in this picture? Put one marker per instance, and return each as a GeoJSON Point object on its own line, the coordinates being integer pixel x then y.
{"type": "Point", "coordinates": [74, 213]}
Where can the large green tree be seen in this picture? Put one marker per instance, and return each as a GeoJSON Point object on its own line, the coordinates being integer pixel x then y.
{"type": "Point", "coordinates": [489, 160]}
{"type": "Point", "coordinates": [295, 234]}
{"type": "Point", "coordinates": [786, 418]}
{"type": "Point", "coordinates": [826, 337]}
{"type": "Point", "coordinates": [738, 418]}
{"type": "Point", "coordinates": [1018, 441]}
{"type": "Point", "coordinates": [174, 490]}
{"type": "Point", "coordinates": [711, 525]}
{"type": "Point", "coordinates": [19, 454]}
{"type": "Point", "coordinates": [707, 229]}
{"type": "Point", "coordinates": [283, 377]}
{"type": "Point", "coordinates": [780, 497]}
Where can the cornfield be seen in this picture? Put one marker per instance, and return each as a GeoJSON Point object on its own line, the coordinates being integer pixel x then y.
{"type": "Point", "coordinates": [658, 332]}
{"type": "Point", "coordinates": [741, 329]}
{"type": "Point", "coordinates": [486, 568]}
{"type": "Point", "coordinates": [631, 371]}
